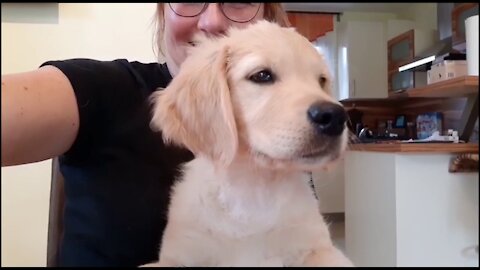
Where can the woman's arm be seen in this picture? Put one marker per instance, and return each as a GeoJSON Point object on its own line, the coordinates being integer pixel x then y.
{"type": "Point", "coordinates": [40, 117]}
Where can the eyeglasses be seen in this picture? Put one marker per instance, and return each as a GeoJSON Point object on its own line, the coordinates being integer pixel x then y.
{"type": "Point", "coordinates": [237, 12]}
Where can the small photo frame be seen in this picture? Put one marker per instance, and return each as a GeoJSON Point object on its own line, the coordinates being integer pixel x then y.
{"type": "Point", "coordinates": [400, 121]}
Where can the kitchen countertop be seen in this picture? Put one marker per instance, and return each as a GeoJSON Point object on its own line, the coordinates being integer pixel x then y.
{"type": "Point", "coordinates": [394, 147]}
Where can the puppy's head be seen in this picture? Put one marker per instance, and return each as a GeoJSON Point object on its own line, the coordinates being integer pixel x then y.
{"type": "Point", "coordinates": [261, 92]}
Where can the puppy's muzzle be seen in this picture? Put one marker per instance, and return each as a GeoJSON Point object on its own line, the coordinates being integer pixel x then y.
{"type": "Point", "coordinates": [327, 118]}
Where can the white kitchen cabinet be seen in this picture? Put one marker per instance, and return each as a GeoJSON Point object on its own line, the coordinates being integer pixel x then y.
{"type": "Point", "coordinates": [406, 209]}
{"type": "Point", "coordinates": [362, 59]}
{"type": "Point", "coordinates": [327, 46]}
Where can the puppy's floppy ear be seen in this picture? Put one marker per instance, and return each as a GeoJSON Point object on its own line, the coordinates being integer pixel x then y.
{"type": "Point", "coordinates": [195, 110]}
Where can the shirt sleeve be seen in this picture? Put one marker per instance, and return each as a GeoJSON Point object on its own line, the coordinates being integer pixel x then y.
{"type": "Point", "coordinates": [104, 91]}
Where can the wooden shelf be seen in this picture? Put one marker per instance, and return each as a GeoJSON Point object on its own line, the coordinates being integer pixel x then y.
{"type": "Point", "coordinates": [456, 148]}
{"type": "Point", "coordinates": [457, 87]}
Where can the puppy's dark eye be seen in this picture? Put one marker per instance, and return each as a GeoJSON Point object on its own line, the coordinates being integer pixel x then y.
{"type": "Point", "coordinates": [263, 76]}
{"type": "Point", "coordinates": [323, 81]}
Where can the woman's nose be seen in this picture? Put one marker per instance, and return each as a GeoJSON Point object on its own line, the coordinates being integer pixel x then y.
{"type": "Point", "coordinates": [212, 21]}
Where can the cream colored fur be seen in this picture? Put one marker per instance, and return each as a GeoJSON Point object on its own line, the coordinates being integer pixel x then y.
{"type": "Point", "coordinates": [245, 199]}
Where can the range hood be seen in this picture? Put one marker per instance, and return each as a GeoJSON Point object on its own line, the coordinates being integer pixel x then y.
{"type": "Point", "coordinates": [441, 50]}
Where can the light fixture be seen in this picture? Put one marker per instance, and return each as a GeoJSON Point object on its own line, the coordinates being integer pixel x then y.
{"type": "Point", "coordinates": [417, 63]}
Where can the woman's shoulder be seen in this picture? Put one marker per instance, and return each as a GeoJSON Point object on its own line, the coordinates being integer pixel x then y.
{"type": "Point", "coordinates": [157, 72]}
{"type": "Point", "coordinates": [152, 74]}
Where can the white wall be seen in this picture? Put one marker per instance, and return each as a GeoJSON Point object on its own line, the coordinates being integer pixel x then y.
{"type": "Point", "coordinates": [423, 14]}
{"type": "Point", "coordinates": [99, 31]}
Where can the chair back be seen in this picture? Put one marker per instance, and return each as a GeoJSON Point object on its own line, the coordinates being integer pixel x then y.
{"type": "Point", "coordinates": [55, 218]}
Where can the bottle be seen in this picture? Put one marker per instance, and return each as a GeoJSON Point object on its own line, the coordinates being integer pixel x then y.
{"type": "Point", "coordinates": [411, 130]}
{"type": "Point", "coordinates": [388, 129]}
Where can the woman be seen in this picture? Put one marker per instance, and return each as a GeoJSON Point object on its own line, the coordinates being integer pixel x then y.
{"type": "Point", "coordinates": [95, 116]}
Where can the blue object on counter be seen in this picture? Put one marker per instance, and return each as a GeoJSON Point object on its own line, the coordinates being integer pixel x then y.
{"type": "Point", "coordinates": [428, 123]}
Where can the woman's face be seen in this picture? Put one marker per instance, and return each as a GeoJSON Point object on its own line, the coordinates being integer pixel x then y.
{"type": "Point", "coordinates": [179, 30]}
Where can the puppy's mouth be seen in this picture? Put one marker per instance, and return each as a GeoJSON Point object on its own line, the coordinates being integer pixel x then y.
{"type": "Point", "coordinates": [314, 154]}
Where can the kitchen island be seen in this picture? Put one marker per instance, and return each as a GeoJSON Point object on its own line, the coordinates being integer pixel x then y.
{"type": "Point", "coordinates": [404, 208]}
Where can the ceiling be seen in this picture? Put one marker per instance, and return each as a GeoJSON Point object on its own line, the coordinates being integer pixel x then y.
{"type": "Point", "coordinates": [343, 7]}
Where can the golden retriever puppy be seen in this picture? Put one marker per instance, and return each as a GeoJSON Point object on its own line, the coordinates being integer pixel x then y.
{"type": "Point", "coordinates": [255, 109]}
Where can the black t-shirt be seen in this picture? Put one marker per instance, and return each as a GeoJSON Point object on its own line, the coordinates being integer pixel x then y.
{"type": "Point", "coordinates": [118, 173]}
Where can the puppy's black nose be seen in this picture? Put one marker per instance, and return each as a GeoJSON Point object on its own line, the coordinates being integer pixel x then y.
{"type": "Point", "coordinates": [328, 118]}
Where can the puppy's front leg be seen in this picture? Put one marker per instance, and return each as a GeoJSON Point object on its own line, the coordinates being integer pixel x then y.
{"type": "Point", "coordinates": [327, 256]}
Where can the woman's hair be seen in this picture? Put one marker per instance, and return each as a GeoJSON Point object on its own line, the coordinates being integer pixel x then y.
{"type": "Point", "coordinates": [273, 12]}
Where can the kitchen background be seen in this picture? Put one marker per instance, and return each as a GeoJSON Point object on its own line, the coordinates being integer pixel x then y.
{"type": "Point", "coordinates": [353, 36]}
{"type": "Point", "coordinates": [394, 203]}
